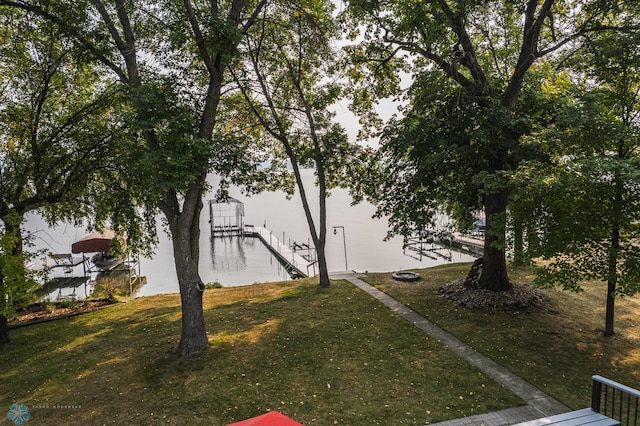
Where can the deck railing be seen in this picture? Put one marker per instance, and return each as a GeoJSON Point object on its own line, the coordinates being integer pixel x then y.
{"type": "Point", "coordinates": [615, 400]}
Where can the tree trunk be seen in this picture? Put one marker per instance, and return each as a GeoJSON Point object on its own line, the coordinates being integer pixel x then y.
{"type": "Point", "coordinates": [612, 281]}
{"type": "Point", "coordinates": [322, 269]}
{"type": "Point", "coordinates": [494, 273]}
{"type": "Point", "coordinates": [185, 233]}
{"type": "Point", "coordinates": [319, 238]}
{"type": "Point", "coordinates": [322, 184]}
{"type": "Point", "coordinates": [193, 337]}
{"type": "Point", "coordinates": [613, 255]}
{"type": "Point", "coordinates": [4, 330]}
{"type": "Point", "coordinates": [17, 251]}
{"type": "Point", "coordinates": [608, 323]}
{"type": "Point", "coordinates": [322, 237]}
{"type": "Point", "coordinates": [4, 326]}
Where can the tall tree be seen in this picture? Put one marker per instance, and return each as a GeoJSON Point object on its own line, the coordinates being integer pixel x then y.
{"type": "Point", "coordinates": [285, 83]}
{"type": "Point", "coordinates": [593, 233]}
{"type": "Point", "coordinates": [171, 57]}
{"type": "Point", "coordinates": [475, 56]}
{"type": "Point", "coordinates": [62, 135]}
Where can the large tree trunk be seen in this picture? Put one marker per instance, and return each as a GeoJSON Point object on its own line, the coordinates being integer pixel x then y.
{"type": "Point", "coordinates": [4, 330]}
{"type": "Point", "coordinates": [185, 233]}
{"type": "Point", "coordinates": [494, 271]}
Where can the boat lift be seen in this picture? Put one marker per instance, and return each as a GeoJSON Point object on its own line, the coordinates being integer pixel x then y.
{"type": "Point", "coordinates": [226, 218]}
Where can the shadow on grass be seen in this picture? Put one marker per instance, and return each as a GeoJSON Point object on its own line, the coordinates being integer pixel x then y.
{"type": "Point", "coordinates": [557, 348]}
{"type": "Point", "coordinates": [320, 356]}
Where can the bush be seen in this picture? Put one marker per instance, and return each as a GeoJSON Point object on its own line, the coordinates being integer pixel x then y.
{"type": "Point", "coordinates": [108, 288]}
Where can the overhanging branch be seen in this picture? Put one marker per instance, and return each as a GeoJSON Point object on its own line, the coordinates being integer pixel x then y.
{"type": "Point", "coordinates": [70, 31]}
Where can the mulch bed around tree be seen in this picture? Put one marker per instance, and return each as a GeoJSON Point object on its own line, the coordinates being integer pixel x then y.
{"type": "Point", "coordinates": [41, 312]}
{"type": "Point", "coordinates": [520, 298]}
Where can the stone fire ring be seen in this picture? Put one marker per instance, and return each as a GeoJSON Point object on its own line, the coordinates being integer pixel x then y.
{"type": "Point", "coordinates": [405, 276]}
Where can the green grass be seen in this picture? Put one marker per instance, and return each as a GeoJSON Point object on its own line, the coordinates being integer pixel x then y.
{"type": "Point", "coordinates": [557, 348]}
{"type": "Point", "coordinates": [332, 356]}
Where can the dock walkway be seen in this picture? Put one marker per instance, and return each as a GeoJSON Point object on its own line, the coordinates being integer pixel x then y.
{"type": "Point", "coordinates": [474, 246]}
{"type": "Point", "coordinates": [294, 263]}
{"type": "Point", "coordinates": [436, 245]}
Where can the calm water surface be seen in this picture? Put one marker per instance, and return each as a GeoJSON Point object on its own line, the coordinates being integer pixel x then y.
{"type": "Point", "coordinates": [241, 261]}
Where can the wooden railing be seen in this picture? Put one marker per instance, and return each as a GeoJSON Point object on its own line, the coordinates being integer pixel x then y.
{"type": "Point", "coordinates": [615, 400]}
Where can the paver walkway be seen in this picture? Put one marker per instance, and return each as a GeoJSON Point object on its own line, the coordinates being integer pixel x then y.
{"type": "Point", "coordinates": [539, 403]}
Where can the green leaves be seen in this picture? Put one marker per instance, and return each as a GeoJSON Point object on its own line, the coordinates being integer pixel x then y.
{"type": "Point", "coordinates": [65, 144]}
{"type": "Point", "coordinates": [17, 283]}
{"type": "Point", "coordinates": [587, 197]}
{"type": "Point", "coordinates": [288, 82]}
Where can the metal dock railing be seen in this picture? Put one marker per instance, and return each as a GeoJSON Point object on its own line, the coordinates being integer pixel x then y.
{"type": "Point", "coordinates": [294, 263]}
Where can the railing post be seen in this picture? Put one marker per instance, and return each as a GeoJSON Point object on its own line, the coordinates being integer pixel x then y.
{"type": "Point", "coordinates": [596, 391]}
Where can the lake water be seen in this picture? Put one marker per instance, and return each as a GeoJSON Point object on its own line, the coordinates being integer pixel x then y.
{"type": "Point", "coordinates": [241, 261]}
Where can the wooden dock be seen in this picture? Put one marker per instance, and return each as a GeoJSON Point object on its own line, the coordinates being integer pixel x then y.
{"type": "Point", "coordinates": [440, 247]}
{"type": "Point", "coordinates": [470, 245]}
{"type": "Point", "coordinates": [294, 263]}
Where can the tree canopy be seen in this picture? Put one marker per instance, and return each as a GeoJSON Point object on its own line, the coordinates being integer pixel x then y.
{"type": "Point", "coordinates": [120, 110]}
{"type": "Point", "coordinates": [460, 137]}
{"type": "Point", "coordinates": [286, 80]}
{"type": "Point", "coordinates": [169, 62]}
{"type": "Point", "coordinates": [590, 190]}
{"type": "Point", "coordinates": [63, 140]}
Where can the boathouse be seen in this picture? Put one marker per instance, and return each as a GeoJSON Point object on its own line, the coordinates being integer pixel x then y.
{"type": "Point", "coordinates": [226, 218]}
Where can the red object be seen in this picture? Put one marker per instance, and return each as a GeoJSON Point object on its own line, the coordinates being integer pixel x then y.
{"type": "Point", "coordinates": [272, 418]}
{"type": "Point", "coordinates": [93, 243]}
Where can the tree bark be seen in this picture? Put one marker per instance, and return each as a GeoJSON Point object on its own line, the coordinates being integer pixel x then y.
{"type": "Point", "coordinates": [322, 238]}
{"type": "Point", "coordinates": [612, 272]}
{"type": "Point", "coordinates": [4, 325]}
{"type": "Point", "coordinates": [4, 330]}
{"type": "Point", "coordinates": [319, 238]}
{"type": "Point", "coordinates": [609, 315]}
{"type": "Point", "coordinates": [17, 250]}
{"type": "Point", "coordinates": [323, 270]}
{"type": "Point", "coordinates": [322, 183]}
{"type": "Point", "coordinates": [494, 272]}
{"type": "Point", "coordinates": [612, 282]}
{"type": "Point", "coordinates": [185, 232]}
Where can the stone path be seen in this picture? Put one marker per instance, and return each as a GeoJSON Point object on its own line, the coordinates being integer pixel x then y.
{"type": "Point", "coordinates": [539, 404]}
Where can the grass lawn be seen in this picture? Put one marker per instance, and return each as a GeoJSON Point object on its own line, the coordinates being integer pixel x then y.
{"type": "Point", "coordinates": [325, 357]}
{"type": "Point", "coordinates": [557, 348]}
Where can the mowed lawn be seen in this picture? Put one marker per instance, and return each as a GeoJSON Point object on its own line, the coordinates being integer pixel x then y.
{"type": "Point", "coordinates": [325, 357]}
{"type": "Point", "coordinates": [557, 348]}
